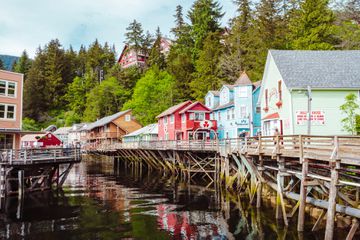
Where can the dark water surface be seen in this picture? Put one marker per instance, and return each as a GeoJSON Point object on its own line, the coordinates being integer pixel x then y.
{"type": "Point", "coordinates": [100, 202]}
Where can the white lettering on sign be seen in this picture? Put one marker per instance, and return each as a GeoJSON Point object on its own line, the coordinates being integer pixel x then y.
{"type": "Point", "coordinates": [317, 117]}
{"type": "Point", "coordinates": [243, 122]}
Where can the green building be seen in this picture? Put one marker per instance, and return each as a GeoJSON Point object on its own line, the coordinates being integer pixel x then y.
{"type": "Point", "coordinates": [289, 77]}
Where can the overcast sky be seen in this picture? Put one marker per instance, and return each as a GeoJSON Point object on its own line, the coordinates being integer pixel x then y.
{"type": "Point", "coordinates": [26, 24]}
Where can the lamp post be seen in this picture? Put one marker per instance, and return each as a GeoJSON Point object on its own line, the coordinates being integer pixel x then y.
{"type": "Point", "coordinates": [308, 94]}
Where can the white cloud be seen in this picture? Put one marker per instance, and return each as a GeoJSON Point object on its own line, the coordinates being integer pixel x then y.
{"type": "Point", "coordinates": [26, 24]}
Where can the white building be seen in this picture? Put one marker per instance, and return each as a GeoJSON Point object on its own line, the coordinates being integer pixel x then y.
{"type": "Point", "coordinates": [63, 134]}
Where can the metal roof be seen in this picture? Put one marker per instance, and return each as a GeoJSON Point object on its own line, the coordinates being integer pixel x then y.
{"type": "Point", "coordinates": [105, 120]}
{"type": "Point", "coordinates": [318, 69]}
{"type": "Point", "coordinates": [226, 105]}
{"type": "Point", "coordinates": [173, 109]}
{"type": "Point", "coordinates": [147, 130]}
{"type": "Point", "coordinates": [63, 130]}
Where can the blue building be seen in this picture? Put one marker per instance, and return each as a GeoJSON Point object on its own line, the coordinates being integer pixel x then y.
{"type": "Point", "coordinates": [235, 108]}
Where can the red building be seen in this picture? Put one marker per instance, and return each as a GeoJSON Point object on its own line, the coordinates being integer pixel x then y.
{"type": "Point", "coordinates": [40, 140]}
{"type": "Point", "coordinates": [186, 121]}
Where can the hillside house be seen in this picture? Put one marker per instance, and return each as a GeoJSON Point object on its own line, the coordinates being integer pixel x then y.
{"type": "Point", "coordinates": [330, 75]}
{"type": "Point", "coordinates": [186, 121]}
{"type": "Point", "coordinates": [234, 108]}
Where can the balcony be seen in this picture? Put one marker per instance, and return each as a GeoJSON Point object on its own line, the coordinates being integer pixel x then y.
{"type": "Point", "coordinates": [101, 135]}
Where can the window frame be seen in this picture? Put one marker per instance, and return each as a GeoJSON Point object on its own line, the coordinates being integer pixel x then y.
{"type": "Point", "coordinates": [199, 118]}
{"type": "Point", "coordinates": [183, 117]}
{"type": "Point", "coordinates": [127, 118]}
{"type": "Point", "coordinates": [165, 120]}
{"type": "Point", "coordinates": [7, 83]}
{"type": "Point", "coordinates": [242, 115]}
{"type": "Point", "coordinates": [6, 110]}
{"type": "Point", "coordinates": [172, 118]}
{"type": "Point", "coordinates": [243, 92]}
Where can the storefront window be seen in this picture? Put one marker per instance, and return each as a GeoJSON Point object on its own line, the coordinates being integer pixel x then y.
{"type": "Point", "coordinates": [6, 141]}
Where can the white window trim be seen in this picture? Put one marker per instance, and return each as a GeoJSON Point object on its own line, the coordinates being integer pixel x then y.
{"type": "Point", "coordinates": [246, 111]}
{"type": "Point", "coordinates": [165, 120]}
{"type": "Point", "coordinates": [127, 118]}
{"type": "Point", "coordinates": [183, 117]}
{"type": "Point", "coordinates": [172, 118]}
{"type": "Point", "coordinates": [7, 89]}
{"type": "Point", "coordinates": [199, 119]}
{"type": "Point", "coordinates": [6, 110]}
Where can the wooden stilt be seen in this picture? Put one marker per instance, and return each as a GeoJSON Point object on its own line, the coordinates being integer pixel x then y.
{"type": "Point", "coordinates": [259, 190]}
{"type": "Point", "coordinates": [303, 193]}
{"type": "Point", "coordinates": [354, 227]}
{"type": "Point", "coordinates": [330, 218]}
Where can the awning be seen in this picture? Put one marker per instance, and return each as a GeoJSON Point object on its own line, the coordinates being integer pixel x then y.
{"type": "Point", "coordinates": [272, 116]}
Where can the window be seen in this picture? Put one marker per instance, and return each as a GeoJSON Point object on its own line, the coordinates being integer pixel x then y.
{"type": "Point", "coordinates": [165, 120]}
{"type": "Point", "coordinates": [7, 88]}
{"type": "Point", "coordinates": [243, 93]}
{"type": "Point", "coordinates": [7, 111]}
{"type": "Point", "coordinates": [183, 117]}
{"type": "Point", "coordinates": [243, 111]}
{"type": "Point", "coordinates": [233, 113]}
{"type": "Point", "coordinates": [191, 116]}
{"type": "Point", "coordinates": [172, 118]}
{"type": "Point", "coordinates": [209, 101]}
{"type": "Point", "coordinates": [6, 141]}
{"type": "Point", "coordinates": [127, 118]}
{"type": "Point", "coordinates": [199, 116]}
{"type": "Point", "coordinates": [266, 99]}
{"type": "Point", "coordinates": [228, 114]}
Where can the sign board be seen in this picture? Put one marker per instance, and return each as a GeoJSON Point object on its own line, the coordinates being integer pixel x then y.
{"type": "Point", "coordinates": [206, 124]}
{"type": "Point", "coordinates": [317, 117]}
{"type": "Point", "coordinates": [244, 122]}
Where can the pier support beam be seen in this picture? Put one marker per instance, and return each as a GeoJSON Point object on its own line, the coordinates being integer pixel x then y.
{"type": "Point", "coordinates": [303, 193]}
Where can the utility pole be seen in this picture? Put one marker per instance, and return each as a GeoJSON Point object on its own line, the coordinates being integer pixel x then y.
{"type": "Point", "coordinates": [308, 94]}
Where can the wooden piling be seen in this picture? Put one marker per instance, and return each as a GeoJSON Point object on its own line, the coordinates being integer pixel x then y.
{"type": "Point", "coordinates": [303, 193]}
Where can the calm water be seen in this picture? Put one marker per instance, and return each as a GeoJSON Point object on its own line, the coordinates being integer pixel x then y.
{"type": "Point", "coordinates": [100, 202]}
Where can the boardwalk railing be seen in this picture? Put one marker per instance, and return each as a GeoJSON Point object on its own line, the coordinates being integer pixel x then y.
{"type": "Point", "coordinates": [346, 148]}
{"type": "Point", "coordinates": [41, 155]}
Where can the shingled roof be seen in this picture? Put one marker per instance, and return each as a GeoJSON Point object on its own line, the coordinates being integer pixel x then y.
{"type": "Point", "coordinates": [243, 80]}
{"type": "Point", "coordinates": [173, 109]}
{"type": "Point", "coordinates": [318, 69]}
{"type": "Point", "coordinates": [105, 120]}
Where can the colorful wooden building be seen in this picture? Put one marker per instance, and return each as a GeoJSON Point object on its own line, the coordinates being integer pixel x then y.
{"type": "Point", "coordinates": [40, 140]}
{"type": "Point", "coordinates": [11, 94]}
{"type": "Point", "coordinates": [111, 129]}
{"type": "Point", "coordinates": [185, 121]}
{"type": "Point", "coordinates": [234, 108]}
{"type": "Point", "coordinates": [329, 75]}
{"type": "Point", "coordinates": [147, 133]}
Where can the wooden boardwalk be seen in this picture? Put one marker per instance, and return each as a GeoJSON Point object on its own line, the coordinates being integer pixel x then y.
{"type": "Point", "coordinates": [323, 171]}
{"type": "Point", "coordinates": [29, 170]}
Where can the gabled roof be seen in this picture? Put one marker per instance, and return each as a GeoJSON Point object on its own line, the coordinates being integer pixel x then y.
{"type": "Point", "coordinates": [226, 105]}
{"type": "Point", "coordinates": [63, 130]}
{"type": "Point", "coordinates": [122, 52]}
{"type": "Point", "coordinates": [105, 120]}
{"type": "Point", "coordinates": [318, 69]}
{"type": "Point", "coordinates": [189, 107]}
{"type": "Point", "coordinates": [35, 137]}
{"type": "Point", "coordinates": [173, 109]}
{"type": "Point", "coordinates": [151, 129]}
{"type": "Point", "coordinates": [215, 93]}
{"type": "Point", "coordinates": [243, 80]}
{"type": "Point", "coordinates": [231, 87]}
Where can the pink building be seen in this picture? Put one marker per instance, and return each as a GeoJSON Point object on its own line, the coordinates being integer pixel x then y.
{"type": "Point", "coordinates": [11, 94]}
{"type": "Point", "coordinates": [185, 121]}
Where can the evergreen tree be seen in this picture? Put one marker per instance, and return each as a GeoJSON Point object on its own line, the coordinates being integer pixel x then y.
{"type": "Point", "coordinates": [23, 64]}
{"type": "Point", "coordinates": [179, 22]}
{"type": "Point", "coordinates": [135, 36]}
{"type": "Point", "coordinates": [2, 67]}
{"type": "Point", "coordinates": [313, 28]}
{"type": "Point", "coordinates": [157, 57]}
{"type": "Point", "coordinates": [207, 75]}
{"type": "Point", "coordinates": [205, 16]}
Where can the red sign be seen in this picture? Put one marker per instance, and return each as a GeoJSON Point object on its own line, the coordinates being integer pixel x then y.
{"type": "Point", "coordinates": [317, 117]}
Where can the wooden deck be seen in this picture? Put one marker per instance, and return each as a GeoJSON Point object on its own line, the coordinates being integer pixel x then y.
{"type": "Point", "coordinates": [323, 171]}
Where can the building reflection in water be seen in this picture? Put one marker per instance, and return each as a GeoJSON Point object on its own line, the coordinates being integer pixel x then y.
{"type": "Point", "coordinates": [101, 202]}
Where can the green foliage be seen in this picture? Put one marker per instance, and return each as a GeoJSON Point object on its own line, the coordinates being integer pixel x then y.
{"type": "Point", "coordinates": [104, 99]}
{"type": "Point", "coordinates": [157, 58]}
{"type": "Point", "coordinates": [312, 28]}
{"type": "Point", "coordinates": [29, 124]}
{"type": "Point", "coordinates": [358, 124]}
{"type": "Point", "coordinates": [2, 67]}
{"type": "Point", "coordinates": [153, 94]}
{"type": "Point", "coordinates": [349, 109]}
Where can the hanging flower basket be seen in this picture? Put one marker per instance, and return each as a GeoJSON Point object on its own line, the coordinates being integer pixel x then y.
{"type": "Point", "coordinates": [266, 109]}
{"type": "Point", "coordinates": [279, 104]}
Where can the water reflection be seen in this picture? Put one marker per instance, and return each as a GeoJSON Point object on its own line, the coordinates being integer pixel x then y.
{"type": "Point", "coordinates": [102, 202]}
